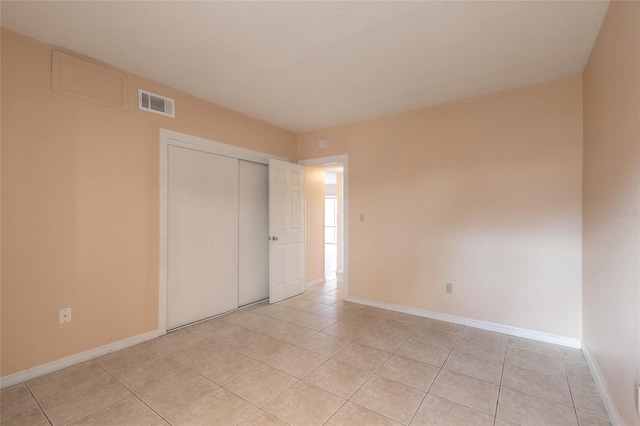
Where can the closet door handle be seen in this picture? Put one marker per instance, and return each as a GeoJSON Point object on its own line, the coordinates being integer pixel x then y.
{"type": "Point", "coordinates": [273, 238]}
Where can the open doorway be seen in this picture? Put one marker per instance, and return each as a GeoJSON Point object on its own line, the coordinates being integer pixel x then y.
{"type": "Point", "coordinates": [333, 222]}
{"type": "Point", "coordinates": [330, 236]}
{"type": "Point", "coordinates": [327, 224]}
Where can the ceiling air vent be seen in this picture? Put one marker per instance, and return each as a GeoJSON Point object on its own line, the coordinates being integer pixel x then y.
{"type": "Point", "coordinates": [151, 102]}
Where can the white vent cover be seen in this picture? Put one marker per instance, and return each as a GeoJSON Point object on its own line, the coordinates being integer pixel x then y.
{"type": "Point", "coordinates": [151, 102]}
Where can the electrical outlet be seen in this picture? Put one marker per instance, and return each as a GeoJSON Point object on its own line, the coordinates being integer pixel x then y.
{"type": "Point", "coordinates": [449, 288]}
{"type": "Point", "coordinates": [65, 315]}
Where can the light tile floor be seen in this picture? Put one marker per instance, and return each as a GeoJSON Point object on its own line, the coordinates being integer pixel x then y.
{"type": "Point", "coordinates": [317, 360]}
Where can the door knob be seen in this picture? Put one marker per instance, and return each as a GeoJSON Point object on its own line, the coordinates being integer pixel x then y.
{"type": "Point", "coordinates": [273, 238]}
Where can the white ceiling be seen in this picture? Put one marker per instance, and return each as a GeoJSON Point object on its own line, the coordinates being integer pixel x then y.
{"type": "Point", "coordinates": [309, 65]}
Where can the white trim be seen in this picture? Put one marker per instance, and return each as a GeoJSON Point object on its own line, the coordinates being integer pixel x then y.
{"type": "Point", "coordinates": [344, 159]}
{"type": "Point", "coordinates": [53, 366]}
{"type": "Point", "coordinates": [170, 137]}
{"type": "Point", "coordinates": [485, 325]}
{"type": "Point", "coordinates": [318, 281]}
{"type": "Point", "coordinates": [601, 385]}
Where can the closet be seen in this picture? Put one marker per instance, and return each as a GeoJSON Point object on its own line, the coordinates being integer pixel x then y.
{"type": "Point", "coordinates": [217, 234]}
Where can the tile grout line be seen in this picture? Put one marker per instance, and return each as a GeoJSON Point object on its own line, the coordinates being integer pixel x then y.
{"type": "Point", "coordinates": [266, 403]}
{"type": "Point", "coordinates": [500, 387]}
{"type": "Point", "coordinates": [566, 374]}
{"type": "Point", "coordinates": [393, 353]}
{"type": "Point", "coordinates": [434, 380]}
{"type": "Point", "coordinates": [127, 388]}
{"type": "Point", "coordinates": [348, 399]}
{"type": "Point", "coordinates": [37, 403]}
{"type": "Point", "coordinates": [450, 350]}
{"type": "Point", "coordinates": [380, 320]}
{"type": "Point", "coordinates": [298, 380]}
{"type": "Point", "coordinates": [295, 383]}
{"type": "Point", "coordinates": [302, 378]}
{"type": "Point", "coordinates": [92, 361]}
{"type": "Point", "coordinates": [365, 382]}
{"type": "Point", "coordinates": [220, 386]}
{"type": "Point", "coordinates": [194, 371]}
{"type": "Point", "coordinates": [598, 414]}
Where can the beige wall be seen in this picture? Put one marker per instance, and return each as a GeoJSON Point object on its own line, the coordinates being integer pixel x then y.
{"type": "Point", "coordinates": [80, 206]}
{"type": "Point", "coordinates": [484, 193]}
{"type": "Point", "coordinates": [611, 245]}
{"type": "Point", "coordinates": [314, 177]}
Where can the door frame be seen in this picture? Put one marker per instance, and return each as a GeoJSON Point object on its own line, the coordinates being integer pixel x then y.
{"type": "Point", "coordinates": [173, 138]}
{"type": "Point", "coordinates": [344, 159]}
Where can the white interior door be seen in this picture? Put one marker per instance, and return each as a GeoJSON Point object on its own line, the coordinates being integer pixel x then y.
{"type": "Point", "coordinates": [253, 232]}
{"type": "Point", "coordinates": [202, 233]}
{"type": "Point", "coordinates": [286, 230]}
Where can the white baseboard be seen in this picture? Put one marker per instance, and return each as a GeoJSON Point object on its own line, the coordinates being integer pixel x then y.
{"type": "Point", "coordinates": [485, 325]}
{"type": "Point", "coordinates": [53, 366]}
{"type": "Point", "coordinates": [602, 387]}
{"type": "Point", "coordinates": [318, 281]}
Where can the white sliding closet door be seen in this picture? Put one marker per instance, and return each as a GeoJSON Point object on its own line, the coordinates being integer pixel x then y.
{"type": "Point", "coordinates": [253, 232]}
{"type": "Point", "coordinates": [202, 235]}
